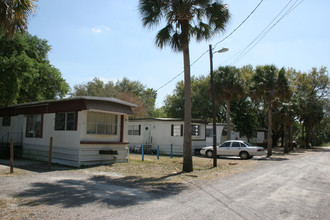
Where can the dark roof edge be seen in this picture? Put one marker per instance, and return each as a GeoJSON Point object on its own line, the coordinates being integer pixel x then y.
{"type": "Point", "coordinates": [169, 119]}
{"type": "Point", "coordinates": [45, 102]}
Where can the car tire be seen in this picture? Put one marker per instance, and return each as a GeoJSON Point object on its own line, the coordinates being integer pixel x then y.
{"type": "Point", "coordinates": [244, 155]}
{"type": "Point", "coordinates": [209, 154]}
{"type": "Point", "coordinates": [250, 157]}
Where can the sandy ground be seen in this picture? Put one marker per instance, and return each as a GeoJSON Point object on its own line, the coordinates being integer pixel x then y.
{"type": "Point", "coordinates": [296, 186]}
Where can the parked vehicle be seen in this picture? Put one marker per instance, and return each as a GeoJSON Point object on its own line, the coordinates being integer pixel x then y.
{"type": "Point", "coordinates": [239, 148]}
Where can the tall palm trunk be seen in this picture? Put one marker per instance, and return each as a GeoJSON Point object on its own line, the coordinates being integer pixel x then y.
{"type": "Point", "coordinates": [291, 137]}
{"type": "Point", "coordinates": [303, 134]}
{"type": "Point", "coordinates": [228, 120]}
{"type": "Point", "coordinates": [187, 149]}
{"type": "Point", "coordinates": [269, 138]}
{"type": "Point", "coordinates": [285, 137]}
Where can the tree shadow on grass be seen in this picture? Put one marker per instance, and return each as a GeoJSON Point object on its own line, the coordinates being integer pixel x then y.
{"type": "Point", "coordinates": [272, 158]}
{"type": "Point", "coordinates": [35, 165]}
{"type": "Point", "coordinates": [111, 191]}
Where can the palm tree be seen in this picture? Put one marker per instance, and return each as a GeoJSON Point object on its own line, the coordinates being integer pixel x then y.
{"type": "Point", "coordinates": [14, 15]}
{"type": "Point", "coordinates": [270, 83]}
{"type": "Point", "coordinates": [229, 85]}
{"type": "Point", "coordinates": [184, 19]}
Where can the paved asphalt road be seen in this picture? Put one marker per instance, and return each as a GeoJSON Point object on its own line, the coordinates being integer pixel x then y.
{"type": "Point", "coordinates": [292, 187]}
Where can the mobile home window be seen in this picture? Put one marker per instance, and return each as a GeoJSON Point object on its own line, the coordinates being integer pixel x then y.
{"type": "Point", "coordinates": [195, 130]}
{"type": "Point", "coordinates": [34, 126]}
{"type": "Point", "coordinates": [101, 123]}
{"type": "Point", "coordinates": [224, 132]}
{"type": "Point", "coordinates": [65, 121]}
{"type": "Point", "coordinates": [209, 132]}
{"type": "Point", "coordinates": [6, 121]}
{"type": "Point", "coordinates": [134, 129]}
{"type": "Point", "coordinates": [176, 130]}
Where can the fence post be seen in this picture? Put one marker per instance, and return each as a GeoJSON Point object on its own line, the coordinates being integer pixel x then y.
{"type": "Point", "coordinates": [11, 155]}
{"type": "Point", "coordinates": [171, 150]}
{"type": "Point", "coordinates": [128, 156]}
{"type": "Point", "coordinates": [50, 153]}
{"type": "Point", "coordinates": [157, 152]}
{"type": "Point", "coordinates": [142, 152]}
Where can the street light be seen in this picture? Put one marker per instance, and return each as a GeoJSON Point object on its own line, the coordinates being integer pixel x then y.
{"type": "Point", "coordinates": [223, 50]}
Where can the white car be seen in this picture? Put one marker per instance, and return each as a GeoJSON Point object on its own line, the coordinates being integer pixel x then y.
{"type": "Point", "coordinates": [239, 148]}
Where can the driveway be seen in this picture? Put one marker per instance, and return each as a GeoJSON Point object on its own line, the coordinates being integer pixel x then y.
{"type": "Point", "coordinates": [291, 187]}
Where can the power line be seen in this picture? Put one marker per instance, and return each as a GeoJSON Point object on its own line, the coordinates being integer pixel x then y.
{"type": "Point", "coordinates": [266, 30]}
{"type": "Point", "coordinates": [260, 34]}
{"type": "Point", "coordinates": [239, 24]}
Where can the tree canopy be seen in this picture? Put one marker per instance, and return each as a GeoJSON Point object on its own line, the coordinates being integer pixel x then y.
{"type": "Point", "coordinates": [312, 98]}
{"type": "Point", "coordinates": [201, 102]}
{"type": "Point", "coordinates": [286, 95]}
{"type": "Point", "coordinates": [229, 86]}
{"type": "Point", "coordinates": [26, 73]}
{"type": "Point", "coordinates": [125, 89]}
{"type": "Point", "coordinates": [14, 15]}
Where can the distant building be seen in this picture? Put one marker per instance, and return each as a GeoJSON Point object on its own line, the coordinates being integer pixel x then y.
{"type": "Point", "coordinates": [164, 132]}
{"type": "Point", "coordinates": [259, 137]}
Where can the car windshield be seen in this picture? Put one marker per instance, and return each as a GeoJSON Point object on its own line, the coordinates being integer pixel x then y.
{"type": "Point", "coordinates": [247, 144]}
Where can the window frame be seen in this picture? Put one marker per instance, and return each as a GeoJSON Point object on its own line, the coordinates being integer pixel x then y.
{"type": "Point", "coordinates": [27, 131]}
{"type": "Point", "coordinates": [98, 123]}
{"type": "Point", "coordinates": [66, 122]}
{"type": "Point", "coordinates": [6, 121]}
{"type": "Point", "coordinates": [195, 132]}
{"type": "Point", "coordinates": [174, 130]}
{"type": "Point", "coordinates": [132, 132]}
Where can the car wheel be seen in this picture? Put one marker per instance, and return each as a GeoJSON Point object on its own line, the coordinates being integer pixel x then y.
{"type": "Point", "coordinates": [209, 154]}
{"type": "Point", "coordinates": [244, 155]}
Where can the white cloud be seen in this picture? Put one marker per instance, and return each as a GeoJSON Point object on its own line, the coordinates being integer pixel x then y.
{"type": "Point", "coordinates": [97, 29]}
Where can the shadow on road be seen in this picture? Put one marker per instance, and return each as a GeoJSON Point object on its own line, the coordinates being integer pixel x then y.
{"type": "Point", "coordinates": [272, 158]}
{"type": "Point", "coordinates": [111, 191]}
{"type": "Point", "coordinates": [34, 165]}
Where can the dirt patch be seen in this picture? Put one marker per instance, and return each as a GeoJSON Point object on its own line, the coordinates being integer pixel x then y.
{"type": "Point", "coordinates": [166, 171]}
{"type": "Point", "coordinates": [41, 194]}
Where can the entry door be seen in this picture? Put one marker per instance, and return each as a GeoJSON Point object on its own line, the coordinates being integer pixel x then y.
{"type": "Point", "coordinates": [147, 134]}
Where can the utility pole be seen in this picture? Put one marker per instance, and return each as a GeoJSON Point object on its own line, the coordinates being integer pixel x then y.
{"type": "Point", "coordinates": [215, 156]}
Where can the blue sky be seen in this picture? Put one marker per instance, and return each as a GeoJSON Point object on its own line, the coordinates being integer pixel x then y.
{"type": "Point", "coordinates": [106, 39]}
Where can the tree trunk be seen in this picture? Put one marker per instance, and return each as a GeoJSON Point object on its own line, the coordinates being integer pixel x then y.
{"type": "Point", "coordinates": [269, 138]}
{"type": "Point", "coordinates": [228, 120]}
{"type": "Point", "coordinates": [187, 149]}
{"type": "Point", "coordinates": [303, 141]}
{"type": "Point", "coordinates": [308, 136]}
{"type": "Point", "coordinates": [313, 135]}
{"type": "Point", "coordinates": [290, 137]}
{"type": "Point", "coordinates": [285, 138]}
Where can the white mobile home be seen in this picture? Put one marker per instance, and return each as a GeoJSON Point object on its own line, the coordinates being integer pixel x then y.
{"type": "Point", "coordinates": [165, 132]}
{"type": "Point", "coordinates": [85, 130]}
{"type": "Point", "coordinates": [259, 137]}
